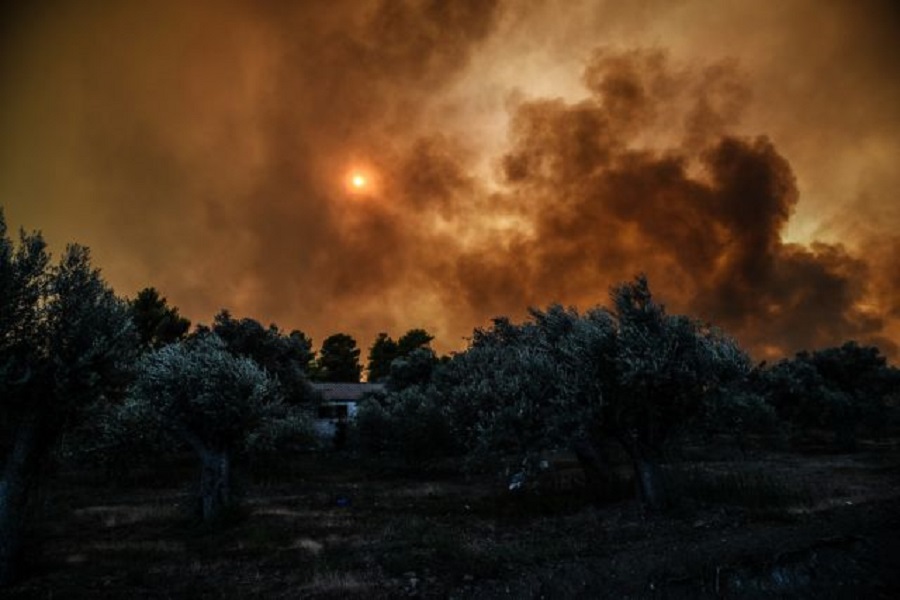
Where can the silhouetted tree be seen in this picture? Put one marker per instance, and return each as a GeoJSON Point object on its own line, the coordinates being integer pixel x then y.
{"type": "Point", "coordinates": [65, 341]}
{"type": "Point", "coordinates": [385, 351]}
{"type": "Point", "coordinates": [413, 339]}
{"type": "Point", "coordinates": [381, 354]}
{"type": "Point", "coordinates": [286, 356]}
{"type": "Point", "coordinates": [339, 359]}
{"type": "Point", "coordinates": [157, 323]}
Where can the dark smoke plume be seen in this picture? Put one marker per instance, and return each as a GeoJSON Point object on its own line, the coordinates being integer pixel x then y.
{"type": "Point", "coordinates": [705, 222]}
{"type": "Point", "coordinates": [203, 148]}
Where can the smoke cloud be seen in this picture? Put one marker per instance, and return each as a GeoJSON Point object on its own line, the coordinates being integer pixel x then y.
{"type": "Point", "coordinates": [515, 154]}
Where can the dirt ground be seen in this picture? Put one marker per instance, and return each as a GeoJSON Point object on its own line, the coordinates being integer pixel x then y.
{"type": "Point", "coordinates": [777, 525]}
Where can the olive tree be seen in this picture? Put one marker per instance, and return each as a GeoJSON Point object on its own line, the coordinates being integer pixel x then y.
{"type": "Point", "coordinates": [840, 388]}
{"type": "Point", "coordinates": [412, 369]}
{"type": "Point", "coordinates": [631, 373]}
{"type": "Point", "coordinates": [215, 402]}
{"type": "Point", "coordinates": [663, 370]}
{"type": "Point", "coordinates": [410, 423]}
{"type": "Point", "coordinates": [486, 403]}
{"type": "Point", "coordinates": [66, 341]}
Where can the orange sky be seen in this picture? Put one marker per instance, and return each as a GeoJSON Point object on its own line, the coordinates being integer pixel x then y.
{"type": "Point", "coordinates": [742, 154]}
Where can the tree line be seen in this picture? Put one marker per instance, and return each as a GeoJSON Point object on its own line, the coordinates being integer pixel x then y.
{"type": "Point", "coordinates": [88, 374]}
{"type": "Point", "coordinates": [631, 375]}
{"type": "Point", "coordinates": [338, 360]}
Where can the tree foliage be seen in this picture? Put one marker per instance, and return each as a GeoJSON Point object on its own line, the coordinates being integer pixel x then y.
{"type": "Point", "coordinates": [414, 339]}
{"type": "Point", "coordinates": [631, 373]}
{"type": "Point", "coordinates": [217, 403]}
{"type": "Point", "coordinates": [156, 322]}
{"type": "Point", "coordinates": [665, 366]}
{"type": "Point", "coordinates": [339, 360]}
{"type": "Point", "coordinates": [287, 357]}
{"type": "Point", "coordinates": [412, 425]}
{"type": "Point", "coordinates": [65, 341]}
{"type": "Point", "coordinates": [838, 389]}
{"type": "Point", "coordinates": [385, 351]}
{"type": "Point", "coordinates": [381, 354]}
{"type": "Point", "coordinates": [412, 369]}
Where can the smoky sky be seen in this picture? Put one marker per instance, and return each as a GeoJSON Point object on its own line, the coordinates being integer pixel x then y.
{"type": "Point", "coordinates": [516, 153]}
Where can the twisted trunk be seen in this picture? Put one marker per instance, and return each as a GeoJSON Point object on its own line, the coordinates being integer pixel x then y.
{"type": "Point", "coordinates": [648, 476]}
{"type": "Point", "coordinates": [650, 483]}
{"type": "Point", "coordinates": [16, 482]}
{"type": "Point", "coordinates": [215, 476]}
{"type": "Point", "coordinates": [215, 482]}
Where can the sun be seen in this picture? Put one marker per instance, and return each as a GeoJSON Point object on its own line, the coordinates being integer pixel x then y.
{"type": "Point", "coordinates": [359, 182]}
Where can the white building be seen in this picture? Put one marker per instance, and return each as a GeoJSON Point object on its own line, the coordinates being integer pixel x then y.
{"type": "Point", "coordinates": [339, 401]}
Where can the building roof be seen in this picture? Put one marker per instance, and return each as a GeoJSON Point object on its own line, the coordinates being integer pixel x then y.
{"type": "Point", "coordinates": [346, 392]}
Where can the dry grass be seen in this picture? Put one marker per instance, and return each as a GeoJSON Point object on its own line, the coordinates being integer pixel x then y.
{"type": "Point", "coordinates": [335, 583]}
{"type": "Point", "coordinates": [114, 516]}
{"type": "Point", "coordinates": [139, 546]}
{"type": "Point", "coordinates": [312, 546]}
{"type": "Point", "coordinates": [296, 540]}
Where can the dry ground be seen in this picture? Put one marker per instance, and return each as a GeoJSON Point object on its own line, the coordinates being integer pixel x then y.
{"type": "Point", "coordinates": [777, 525]}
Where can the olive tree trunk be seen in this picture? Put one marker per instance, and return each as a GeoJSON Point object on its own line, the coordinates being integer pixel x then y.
{"type": "Point", "coordinates": [15, 484]}
{"type": "Point", "coordinates": [648, 475]}
{"type": "Point", "coordinates": [650, 483]}
{"type": "Point", "coordinates": [215, 482]}
{"type": "Point", "coordinates": [215, 476]}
